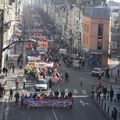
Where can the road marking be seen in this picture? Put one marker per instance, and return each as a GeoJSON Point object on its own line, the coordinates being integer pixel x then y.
{"type": "Point", "coordinates": [84, 103]}
{"type": "Point", "coordinates": [29, 118]}
{"type": "Point", "coordinates": [84, 92]}
{"type": "Point", "coordinates": [1, 111]}
{"type": "Point", "coordinates": [55, 116]}
{"type": "Point", "coordinates": [6, 112]}
{"type": "Point", "coordinates": [66, 90]}
{"type": "Point", "coordinates": [47, 118]}
{"type": "Point", "coordinates": [75, 91]}
{"type": "Point", "coordinates": [32, 90]}
{"type": "Point", "coordinates": [80, 96]}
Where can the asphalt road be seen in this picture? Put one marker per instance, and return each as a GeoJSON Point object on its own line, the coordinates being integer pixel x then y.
{"type": "Point", "coordinates": [84, 108]}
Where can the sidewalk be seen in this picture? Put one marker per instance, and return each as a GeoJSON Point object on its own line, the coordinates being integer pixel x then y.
{"type": "Point", "coordinates": [106, 106]}
{"type": "Point", "coordinates": [11, 82]}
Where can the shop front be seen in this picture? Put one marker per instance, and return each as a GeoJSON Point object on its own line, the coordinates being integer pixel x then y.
{"type": "Point", "coordinates": [95, 58]}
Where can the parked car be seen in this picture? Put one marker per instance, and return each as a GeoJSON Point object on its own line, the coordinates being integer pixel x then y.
{"type": "Point", "coordinates": [97, 71]}
{"type": "Point", "coordinates": [41, 85]}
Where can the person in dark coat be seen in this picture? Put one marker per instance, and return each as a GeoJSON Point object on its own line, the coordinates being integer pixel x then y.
{"type": "Point", "coordinates": [1, 91]}
{"type": "Point", "coordinates": [111, 94]}
{"type": "Point", "coordinates": [118, 71]}
{"type": "Point", "coordinates": [56, 94]}
{"type": "Point", "coordinates": [62, 94]}
{"type": "Point", "coordinates": [104, 92]}
{"type": "Point", "coordinates": [114, 113]}
{"type": "Point", "coordinates": [11, 94]}
{"type": "Point", "coordinates": [13, 67]}
{"type": "Point", "coordinates": [118, 97]}
{"type": "Point", "coordinates": [17, 96]}
{"type": "Point", "coordinates": [70, 95]}
{"type": "Point", "coordinates": [5, 70]}
{"type": "Point", "coordinates": [50, 83]}
{"type": "Point", "coordinates": [66, 77]}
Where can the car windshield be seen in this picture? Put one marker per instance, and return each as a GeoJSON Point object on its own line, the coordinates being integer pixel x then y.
{"type": "Point", "coordinates": [41, 82]}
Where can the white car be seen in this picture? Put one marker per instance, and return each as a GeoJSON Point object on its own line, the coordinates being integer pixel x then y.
{"type": "Point", "coordinates": [41, 85]}
{"type": "Point", "coordinates": [97, 71]}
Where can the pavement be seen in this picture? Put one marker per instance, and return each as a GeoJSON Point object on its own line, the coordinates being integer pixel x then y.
{"type": "Point", "coordinates": [105, 105]}
{"type": "Point", "coordinates": [83, 103]}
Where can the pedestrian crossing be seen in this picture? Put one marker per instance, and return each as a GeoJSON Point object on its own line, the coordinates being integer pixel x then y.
{"type": "Point", "coordinates": [67, 90]}
{"type": "Point", "coordinates": [75, 91]}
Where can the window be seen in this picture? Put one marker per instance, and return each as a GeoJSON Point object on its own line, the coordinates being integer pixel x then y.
{"type": "Point", "coordinates": [100, 31]}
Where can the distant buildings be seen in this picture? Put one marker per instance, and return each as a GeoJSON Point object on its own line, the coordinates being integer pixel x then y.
{"type": "Point", "coordinates": [115, 29]}
{"type": "Point", "coordinates": [79, 21]}
{"type": "Point", "coordinates": [12, 12]}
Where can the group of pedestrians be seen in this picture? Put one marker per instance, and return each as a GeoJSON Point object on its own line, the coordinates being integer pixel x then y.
{"type": "Point", "coordinates": [108, 93]}
{"type": "Point", "coordinates": [8, 68]}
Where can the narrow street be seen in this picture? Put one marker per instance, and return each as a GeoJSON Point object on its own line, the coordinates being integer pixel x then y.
{"type": "Point", "coordinates": [84, 108]}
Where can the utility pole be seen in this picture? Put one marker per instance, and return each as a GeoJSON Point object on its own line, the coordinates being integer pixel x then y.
{"type": "Point", "coordinates": [66, 14]}
{"type": "Point", "coordinates": [1, 35]}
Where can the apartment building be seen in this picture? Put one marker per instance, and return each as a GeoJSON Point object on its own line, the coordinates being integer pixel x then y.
{"type": "Point", "coordinates": [96, 35]}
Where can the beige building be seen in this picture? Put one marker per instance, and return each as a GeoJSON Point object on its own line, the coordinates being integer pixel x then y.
{"type": "Point", "coordinates": [12, 11]}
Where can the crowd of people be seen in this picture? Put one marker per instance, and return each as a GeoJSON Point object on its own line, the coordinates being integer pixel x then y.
{"type": "Point", "coordinates": [107, 93]}
{"type": "Point", "coordinates": [23, 98]}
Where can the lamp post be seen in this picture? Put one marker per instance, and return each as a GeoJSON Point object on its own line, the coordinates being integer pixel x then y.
{"type": "Point", "coordinates": [1, 34]}
{"type": "Point", "coordinates": [71, 42]}
{"type": "Point", "coordinates": [7, 25]}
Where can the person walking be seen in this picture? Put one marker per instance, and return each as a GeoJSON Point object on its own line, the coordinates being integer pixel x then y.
{"type": "Point", "coordinates": [118, 71]}
{"type": "Point", "coordinates": [11, 94]}
{"type": "Point", "coordinates": [50, 83]}
{"type": "Point", "coordinates": [66, 77]}
{"type": "Point", "coordinates": [118, 97]}
{"type": "Point", "coordinates": [24, 82]}
{"type": "Point", "coordinates": [17, 84]}
{"type": "Point", "coordinates": [119, 114]}
{"type": "Point", "coordinates": [13, 68]}
{"type": "Point", "coordinates": [5, 70]}
{"type": "Point", "coordinates": [111, 94]}
{"type": "Point", "coordinates": [22, 98]}
{"type": "Point", "coordinates": [99, 76]}
{"type": "Point", "coordinates": [114, 113]}
{"type": "Point", "coordinates": [62, 94]}
{"type": "Point", "coordinates": [104, 92]}
{"type": "Point", "coordinates": [17, 96]}
{"type": "Point", "coordinates": [81, 80]}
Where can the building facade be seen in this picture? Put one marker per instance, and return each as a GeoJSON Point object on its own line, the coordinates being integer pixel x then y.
{"type": "Point", "coordinates": [96, 35]}
{"type": "Point", "coordinates": [12, 9]}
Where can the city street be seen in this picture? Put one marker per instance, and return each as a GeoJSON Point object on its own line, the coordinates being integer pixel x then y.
{"type": "Point", "coordinates": [84, 108]}
{"type": "Point", "coordinates": [58, 46]}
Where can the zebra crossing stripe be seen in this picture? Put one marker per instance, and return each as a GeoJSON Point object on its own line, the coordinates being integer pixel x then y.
{"type": "Point", "coordinates": [84, 92]}
{"type": "Point", "coordinates": [66, 90]}
{"type": "Point", "coordinates": [75, 91]}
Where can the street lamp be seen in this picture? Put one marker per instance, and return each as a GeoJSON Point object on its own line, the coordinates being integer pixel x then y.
{"type": "Point", "coordinates": [14, 42]}
{"type": "Point", "coordinates": [7, 25]}
{"type": "Point", "coordinates": [1, 34]}
{"type": "Point", "coordinates": [71, 42]}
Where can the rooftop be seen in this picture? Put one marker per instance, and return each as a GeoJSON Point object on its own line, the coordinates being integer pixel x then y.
{"type": "Point", "coordinates": [97, 12]}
